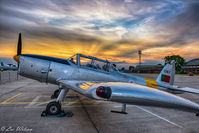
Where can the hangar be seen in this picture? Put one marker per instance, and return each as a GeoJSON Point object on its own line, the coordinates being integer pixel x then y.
{"type": "Point", "coordinates": [148, 68]}
{"type": "Point", "coordinates": [192, 66]}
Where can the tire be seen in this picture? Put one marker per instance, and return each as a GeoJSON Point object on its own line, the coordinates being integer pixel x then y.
{"type": "Point", "coordinates": [53, 108]}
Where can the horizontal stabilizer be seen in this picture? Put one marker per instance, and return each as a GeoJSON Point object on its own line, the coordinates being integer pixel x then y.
{"type": "Point", "coordinates": [185, 89]}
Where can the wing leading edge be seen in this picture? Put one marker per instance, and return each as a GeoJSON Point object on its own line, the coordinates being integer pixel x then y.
{"type": "Point", "coordinates": [130, 93]}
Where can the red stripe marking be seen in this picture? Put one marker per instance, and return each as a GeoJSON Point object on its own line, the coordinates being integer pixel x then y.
{"type": "Point", "coordinates": [167, 78]}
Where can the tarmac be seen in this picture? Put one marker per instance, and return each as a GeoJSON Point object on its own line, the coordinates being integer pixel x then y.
{"type": "Point", "coordinates": [22, 102]}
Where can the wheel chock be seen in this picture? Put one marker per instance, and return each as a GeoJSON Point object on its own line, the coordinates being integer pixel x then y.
{"type": "Point", "coordinates": [62, 114]}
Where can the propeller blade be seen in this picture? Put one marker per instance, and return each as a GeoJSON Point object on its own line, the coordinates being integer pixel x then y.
{"type": "Point", "coordinates": [19, 45]}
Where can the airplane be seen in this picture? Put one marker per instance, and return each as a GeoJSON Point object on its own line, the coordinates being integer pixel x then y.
{"type": "Point", "coordinates": [9, 67]}
{"type": "Point", "coordinates": [99, 79]}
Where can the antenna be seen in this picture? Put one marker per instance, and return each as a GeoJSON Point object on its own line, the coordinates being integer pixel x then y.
{"type": "Point", "coordinates": [140, 54]}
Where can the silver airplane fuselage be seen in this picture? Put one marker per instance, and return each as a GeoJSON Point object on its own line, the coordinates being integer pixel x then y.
{"type": "Point", "coordinates": [52, 70]}
{"type": "Point", "coordinates": [49, 70]}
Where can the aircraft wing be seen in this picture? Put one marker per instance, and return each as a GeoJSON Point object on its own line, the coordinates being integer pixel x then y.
{"type": "Point", "coordinates": [82, 87]}
{"type": "Point", "coordinates": [185, 89]}
{"type": "Point", "coordinates": [130, 93]}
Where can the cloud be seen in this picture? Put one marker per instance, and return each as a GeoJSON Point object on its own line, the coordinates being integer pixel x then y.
{"type": "Point", "coordinates": [186, 23]}
{"type": "Point", "coordinates": [114, 29]}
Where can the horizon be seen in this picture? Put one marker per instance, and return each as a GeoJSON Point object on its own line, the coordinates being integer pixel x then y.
{"type": "Point", "coordinates": [108, 29]}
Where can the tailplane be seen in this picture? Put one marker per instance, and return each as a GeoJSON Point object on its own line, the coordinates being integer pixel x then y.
{"type": "Point", "coordinates": [166, 79]}
{"type": "Point", "coordinates": [167, 74]}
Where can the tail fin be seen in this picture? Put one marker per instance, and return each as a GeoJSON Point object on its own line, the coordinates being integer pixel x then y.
{"type": "Point", "coordinates": [167, 74]}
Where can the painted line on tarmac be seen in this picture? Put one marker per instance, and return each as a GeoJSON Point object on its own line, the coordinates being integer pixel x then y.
{"type": "Point", "coordinates": [162, 118]}
{"type": "Point", "coordinates": [7, 101]}
{"type": "Point", "coordinates": [33, 102]}
{"type": "Point", "coordinates": [147, 111]}
{"type": "Point", "coordinates": [71, 106]}
{"type": "Point", "coordinates": [67, 102]}
{"type": "Point", "coordinates": [28, 84]}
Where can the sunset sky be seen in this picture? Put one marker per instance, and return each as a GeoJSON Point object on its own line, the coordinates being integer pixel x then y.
{"type": "Point", "coordinates": [109, 29]}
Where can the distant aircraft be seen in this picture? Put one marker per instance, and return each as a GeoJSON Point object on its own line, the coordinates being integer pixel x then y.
{"type": "Point", "coordinates": [9, 67]}
{"type": "Point", "coordinates": [100, 80]}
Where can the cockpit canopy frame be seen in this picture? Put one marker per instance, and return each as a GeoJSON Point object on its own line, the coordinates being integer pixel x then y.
{"type": "Point", "coordinates": [80, 59]}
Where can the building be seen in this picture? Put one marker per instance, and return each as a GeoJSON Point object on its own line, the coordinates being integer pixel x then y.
{"type": "Point", "coordinates": [191, 66]}
{"type": "Point", "coordinates": [148, 68]}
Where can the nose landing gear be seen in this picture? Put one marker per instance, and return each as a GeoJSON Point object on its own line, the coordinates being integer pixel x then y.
{"type": "Point", "coordinates": [53, 109]}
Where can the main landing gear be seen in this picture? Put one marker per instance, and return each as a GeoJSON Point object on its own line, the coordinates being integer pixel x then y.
{"type": "Point", "coordinates": [53, 109]}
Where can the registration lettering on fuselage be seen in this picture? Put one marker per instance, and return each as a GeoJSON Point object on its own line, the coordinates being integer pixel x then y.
{"type": "Point", "coordinates": [167, 71]}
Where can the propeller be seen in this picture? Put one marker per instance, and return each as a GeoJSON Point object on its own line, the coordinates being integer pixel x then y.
{"type": "Point", "coordinates": [19, 47]}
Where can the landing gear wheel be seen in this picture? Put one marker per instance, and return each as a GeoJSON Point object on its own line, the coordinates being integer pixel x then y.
{"type": "Point", "coordinates": [55, 94]}
{"type": "Point", "coordinates": [53, 108]}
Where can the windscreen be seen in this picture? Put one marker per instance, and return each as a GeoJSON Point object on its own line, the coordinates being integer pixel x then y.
{"type": "Point", "coordinates": [73, 59]}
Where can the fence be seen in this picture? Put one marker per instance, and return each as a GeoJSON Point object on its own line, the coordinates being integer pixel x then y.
{"type": "Point", "coordinates": [9, 76]}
